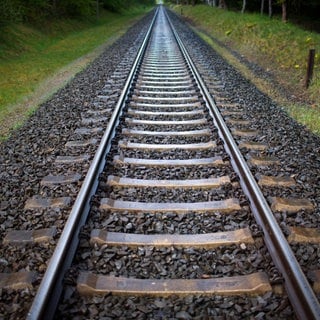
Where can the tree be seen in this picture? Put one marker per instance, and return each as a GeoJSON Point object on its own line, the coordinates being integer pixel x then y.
{"type": "Point", "coordinates": [262, 7]}
{"type": "Point", "coordinates": [97, 8]}
{"type": "Point", "coordinates": [244, 3]}
{"type": "Point", "coordinates": [223, 4]}
{"type": "Point", "coordinates": [270, 8]}
{"type": "Point", "coordinates": [76, 7]}
{"type": "Point", "coordinates": [54, 6]}
{"type": "Point", "coordinates": [11, 10]}
{"type": "Point", "coordinates": [283, 4]}
{"type": "Point", "coordinates": [284, 11]}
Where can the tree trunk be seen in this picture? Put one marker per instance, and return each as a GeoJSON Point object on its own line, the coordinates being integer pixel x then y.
{"type": "Point", "coordinates": [223, 4]}
{"type": "Point", "coordinates": [244, 3]}
{"type": "Point", "coordinates": [97, 8]}
{"type": "Point", "coordinates": [284, 11]}
{"type": "Point", "coordinates": [262, 7]}
{"type": "Point", "coordinates": [54, 6]}
{"type": "Point", "coordinates": [270, 8]}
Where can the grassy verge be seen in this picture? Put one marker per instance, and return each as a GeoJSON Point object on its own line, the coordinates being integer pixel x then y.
{"type": "Point", "coordinates": [35, 62]}
{"type": "Point", "coordinates": [280, 48]}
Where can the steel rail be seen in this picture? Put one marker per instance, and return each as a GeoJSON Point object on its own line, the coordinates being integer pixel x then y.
{"type": "Point", "coordinates": [300, 293]}
{"type": "Point", "coordinates": [48, 294]}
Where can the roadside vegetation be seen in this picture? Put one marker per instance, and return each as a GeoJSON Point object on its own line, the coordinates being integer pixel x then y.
{"type": "Point", "coordinates": [280, 48]}
{"type": "Point", "coordinates": [38, 56]}
{"type": "Point", "coordinates": [43, 43]}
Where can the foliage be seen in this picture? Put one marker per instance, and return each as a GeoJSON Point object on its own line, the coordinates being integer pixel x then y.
{"type": "Point", "coordinates": [11, 11]}
{"type": "Point", "coordinates": [29, 55]}
{"type": "Point", "coordinates": [294, 7]}
{"type": "Point", "coordinates": [122, 5]}
{"type": "Point", "coordinates": [76, 8]}
{"type": "Point", "coordinates": [41, 10]}
{"type": "Point", "coordinates": [38, 11]}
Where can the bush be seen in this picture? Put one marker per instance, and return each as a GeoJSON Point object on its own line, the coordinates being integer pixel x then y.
{"type": "Point", "coordinates": [76, 8]}
{"type": "Point", "coordinates": [11, 11]}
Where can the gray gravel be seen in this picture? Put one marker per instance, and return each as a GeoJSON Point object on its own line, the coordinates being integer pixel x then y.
{"type": "Point", "coordinates": [150, 262]}
{"type": "Point", "coordinates": [29, 155]}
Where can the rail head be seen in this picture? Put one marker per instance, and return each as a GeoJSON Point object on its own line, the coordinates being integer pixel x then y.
{"type": "Point", "coordinates": [301, 295]}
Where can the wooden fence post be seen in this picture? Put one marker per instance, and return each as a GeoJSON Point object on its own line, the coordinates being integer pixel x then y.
{"type": "Point", "coordinates": [312, 53]}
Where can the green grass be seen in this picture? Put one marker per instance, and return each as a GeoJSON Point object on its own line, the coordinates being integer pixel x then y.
{"type": "Point", "coordinates": [30, 55]}
{"type": "Point", "coordinates": [307, 115]}
{"type": "Point", "coordinates": [281, 48]}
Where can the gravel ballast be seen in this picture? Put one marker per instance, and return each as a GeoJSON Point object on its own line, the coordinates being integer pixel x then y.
{"type": "Point", "coordinates": [30, 154]}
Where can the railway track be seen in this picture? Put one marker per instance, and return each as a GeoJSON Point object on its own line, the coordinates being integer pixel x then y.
{"type": "Point", "coordinates": [169, 207]}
